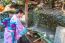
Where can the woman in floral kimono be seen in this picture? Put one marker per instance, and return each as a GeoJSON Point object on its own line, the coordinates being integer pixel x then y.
{"type": "Point", "coordinates": [20, 29]}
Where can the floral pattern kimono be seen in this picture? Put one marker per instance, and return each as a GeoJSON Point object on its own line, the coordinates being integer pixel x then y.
{"type": "Point", "coordinates": [10, 34]}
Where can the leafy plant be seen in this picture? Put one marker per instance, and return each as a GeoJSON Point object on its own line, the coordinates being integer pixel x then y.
{"type": "Point", "coordinates": [6, 2]}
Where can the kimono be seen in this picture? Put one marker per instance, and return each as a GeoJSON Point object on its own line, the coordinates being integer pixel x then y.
{"type": "Point", "coordinates": [7, 33]}
{"type": "Point", "coordinates": [14, 31]}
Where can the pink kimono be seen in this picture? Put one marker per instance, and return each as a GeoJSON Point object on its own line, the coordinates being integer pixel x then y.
{"type": "Point", "coordinates": [7, 36]}
{"type": "Point", "coordinates": [20, 30]}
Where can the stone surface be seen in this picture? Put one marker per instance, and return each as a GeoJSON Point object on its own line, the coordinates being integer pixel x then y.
{"type": "Point", "coordinates": [60, 35]}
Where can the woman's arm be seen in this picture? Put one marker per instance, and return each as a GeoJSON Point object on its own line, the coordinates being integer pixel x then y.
{"type": "Point", "coordinates": [24, 31]}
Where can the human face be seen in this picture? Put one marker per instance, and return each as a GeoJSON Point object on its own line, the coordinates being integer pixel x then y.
{"type": "Point", "coordinates": [20, 15]}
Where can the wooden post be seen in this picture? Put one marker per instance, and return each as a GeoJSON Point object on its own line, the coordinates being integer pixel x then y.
{"type": "Point", "coordinates": [26, 12]}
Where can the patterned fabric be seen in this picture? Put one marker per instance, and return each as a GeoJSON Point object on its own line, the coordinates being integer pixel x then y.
{"type": "Point", "coordinates": [7, 36]}
{"type": "Point", "coordinates": [14, 31]}
{"type": "Point", "coordinates": [19, 26]}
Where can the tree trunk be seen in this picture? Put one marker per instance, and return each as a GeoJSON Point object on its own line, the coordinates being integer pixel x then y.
{"type": "Point", "coordinates": [26, 12]}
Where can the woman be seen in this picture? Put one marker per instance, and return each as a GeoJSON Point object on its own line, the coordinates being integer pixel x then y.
{"type": "Point", "coordinates": [20, 29]}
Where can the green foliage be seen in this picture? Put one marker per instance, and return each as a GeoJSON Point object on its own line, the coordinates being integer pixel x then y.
{"type": "Point", "coordinates": [30, 20]}
{"type": "Point", "coordinates": [61, 20]}
{"type": "Point", "coordinates": [6, 2]}
{"type": "Point", "coordinates": [47, 21]}
{"type": "Point", "coordinates": [20, 2]}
